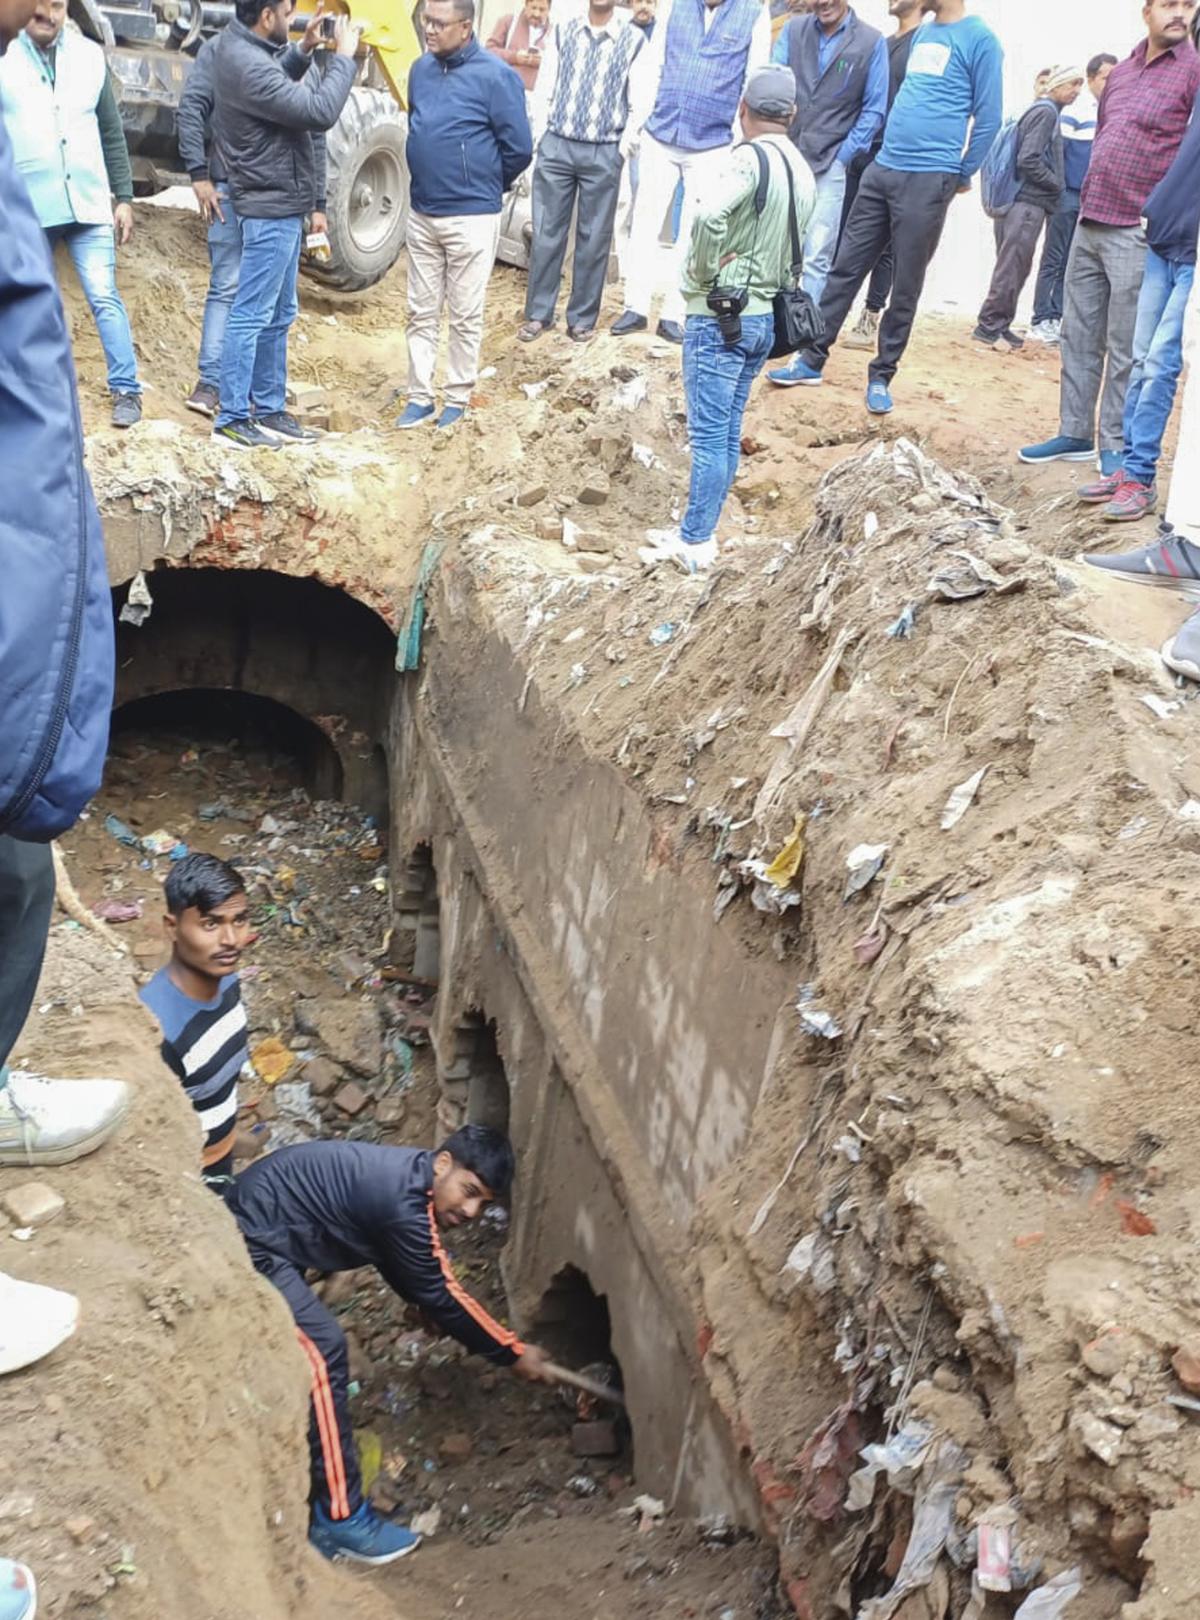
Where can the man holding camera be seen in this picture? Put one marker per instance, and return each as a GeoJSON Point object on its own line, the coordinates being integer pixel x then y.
{"type": "Point", "coordinates": [739, 256]}
{"type": "Point", "coordinates": [268, 126]}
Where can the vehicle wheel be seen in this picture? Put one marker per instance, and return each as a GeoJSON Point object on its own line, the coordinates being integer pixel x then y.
{"type": "Point", "coordinates": [366, 192]}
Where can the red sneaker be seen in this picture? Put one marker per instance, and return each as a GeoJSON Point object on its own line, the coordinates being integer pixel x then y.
{"type": "Point", "coordinates": [1131, 501]}
{"type": "Point", "coordinates": [1102, 491]}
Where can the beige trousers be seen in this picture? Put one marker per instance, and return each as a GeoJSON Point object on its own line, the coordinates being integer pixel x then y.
{"type": "Point", "coordinates": [449, 263]}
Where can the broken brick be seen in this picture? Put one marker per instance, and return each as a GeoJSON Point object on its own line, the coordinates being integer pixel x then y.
{"type": "Point", "coordinates": [33, 1203]}
{"type": "Point", "coordinates": [1186, 1362]}
{"type": "Point", "coordinates": [456, 1447]}
{"type": "Point", "coordinates": [351, 1099]}
{"type": "Point", "coordinates": [595, 1439]}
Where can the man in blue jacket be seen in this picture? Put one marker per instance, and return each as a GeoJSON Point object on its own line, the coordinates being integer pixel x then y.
{"type": "Point", "coordinates": [56, 660]}
{"type": "Point", "coordinates": [943, 123]}
{"type": "Point", "coordinates": [268, 126]}
{"type": "Point", "coordinates": [841, 70]}
{"type": "Point", "coordinates": [468, 142]}
{"type": "Point", "coordinates": [335, 1206]}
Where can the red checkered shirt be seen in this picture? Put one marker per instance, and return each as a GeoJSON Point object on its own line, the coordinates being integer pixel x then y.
{"type": "Point", "coordinates": [1144, 112]}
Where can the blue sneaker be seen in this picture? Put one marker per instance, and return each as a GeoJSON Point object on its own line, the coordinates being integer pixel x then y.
{"type": "Point", "coordinates": [1110, 463]}
{"type": "Point", "coordinates": [879, 399]}
{"type": "Point", "coordinates": [413, 416]}
{"type": "Point", "coordinates": [18, 1591]}
{"type": "Point", "coordinates": [797, 375]}
{"type": "Point", "coordinates": [363, 1537]}
{"type": "Point", "coordinates": [1061, 448]}
{"type": "Point", "coordinates": [450, 415]}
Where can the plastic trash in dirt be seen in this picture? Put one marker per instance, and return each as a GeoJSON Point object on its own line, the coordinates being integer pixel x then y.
{"type": "Point", "coordinates": [901, 1459]}
{"type": "Point", "coordinates": [1050, 1601]}
{"type": "Point", "coordinates": [633, 393]}
{"type": "Point", "coordinates": [162, 842]}
{"type": "Point", "coordinates": [863, 863]}
{"type": "Point", "coordinates": [117, 911]}
{"type": "Point", "coordinates": [116, 828]}
{"type": "Point", "coordinates": [814, 1019]}
{"type": "Point", "coordinates": [271, 1060]}
{"type": "Point", "coordinates": [994, 1571]}
{"type": "Point", "coordinates": [933, 1516]}
{"type": "Point", "coordinates": [902, 628]}
{"type": "Point", "coordinates": [138, 604]}
{"type": "Point", "coordinates": [295, 1102]}
{"type": "Point", "coordinates": [662, 633]}
{"type": "Point", "coordinates": [961, 800]}
{"type": "Point", "coordinates": [426, 1524]}
{"type": "Point", "coordinates": [370, 1455]}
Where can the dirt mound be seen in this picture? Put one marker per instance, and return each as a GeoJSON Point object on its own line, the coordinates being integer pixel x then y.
{"type": "Point", "coordinates": [162, 1465]}
{"type": "Point", "coordinates": [960, 791]}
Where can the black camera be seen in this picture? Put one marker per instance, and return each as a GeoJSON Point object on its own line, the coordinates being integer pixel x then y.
{"type": "Point", "coordinates": [328, 27]}
{"type": "Point", "coordinates": [727, 304]}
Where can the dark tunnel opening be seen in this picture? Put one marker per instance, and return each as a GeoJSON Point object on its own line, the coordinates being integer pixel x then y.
{"type": "Point", "coordinates": [573, 1326]}
{"type": "Point", "coordinates": [242, 720]}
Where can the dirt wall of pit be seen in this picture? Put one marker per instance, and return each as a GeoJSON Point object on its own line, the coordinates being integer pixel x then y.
{"type": "Point", "coordinates": [156, 1465]}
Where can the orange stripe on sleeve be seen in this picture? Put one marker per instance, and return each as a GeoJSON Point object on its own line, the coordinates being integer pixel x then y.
{"type": "Point", "coordinates": [502, 1335]}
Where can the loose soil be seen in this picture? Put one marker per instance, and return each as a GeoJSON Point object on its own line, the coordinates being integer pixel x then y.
{"type": "Point", "coordinates": [993, 1150]}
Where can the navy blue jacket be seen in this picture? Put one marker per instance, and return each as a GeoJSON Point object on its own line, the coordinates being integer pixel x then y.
{"type": "Point", "coordinates": [339, 1205]}
{"type": "Point", "coordinates": [1173, 207]}
{"type": "Point", "coordinates": [468, 132]}
{"type": "Point", "coordinates": [56, 635]}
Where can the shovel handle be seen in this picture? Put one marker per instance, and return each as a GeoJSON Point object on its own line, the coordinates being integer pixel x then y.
{"type": "Point", "coordinates": [590, 1386]}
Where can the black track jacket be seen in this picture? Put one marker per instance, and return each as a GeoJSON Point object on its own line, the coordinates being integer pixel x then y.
{"type": "Point", "coordinates": [338, 1205]}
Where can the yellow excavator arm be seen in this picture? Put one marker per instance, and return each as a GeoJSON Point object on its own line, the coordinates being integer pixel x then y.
{"type": "Point", "coordinates": [390, 29]}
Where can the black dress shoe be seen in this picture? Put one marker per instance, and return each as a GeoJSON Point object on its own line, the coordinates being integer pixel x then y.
{"type": "Point", "coordinates": [670, 330]}
{"type": "Point", "coordinates": [629, 321]}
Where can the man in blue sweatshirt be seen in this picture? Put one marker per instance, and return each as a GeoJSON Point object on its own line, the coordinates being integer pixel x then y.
{"type": "Point", "coordinates": [468, 141]}
{"type": "Point", "coordinates": [953, 90]}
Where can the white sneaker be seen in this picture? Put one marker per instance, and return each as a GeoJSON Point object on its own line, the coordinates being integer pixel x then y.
{"type": "Point", "coordinates": [668, 545]}
{"type": "Point", "coordinates": [55, 1121]}
{"type": "Point", "coordinates": [1048, 332]}
{"type": "Point", "coordinates": [33, 1321]}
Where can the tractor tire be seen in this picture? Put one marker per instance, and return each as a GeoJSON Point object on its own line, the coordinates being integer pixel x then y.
{"type": "Point", "coordinates": [366, 192]}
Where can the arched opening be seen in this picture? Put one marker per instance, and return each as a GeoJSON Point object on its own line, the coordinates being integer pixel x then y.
{"type": "Point", "coordinates": [200, 717]}
{"type": "Point", "coordinates": [474, 1085]}
{"type": "Point", "coordinates": [572, 1324]}
{"type": "Point", "coordinates": [417, 944]}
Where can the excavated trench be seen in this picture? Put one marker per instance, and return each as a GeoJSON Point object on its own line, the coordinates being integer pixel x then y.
{"type": "Point", "coordinates": [260, 717]}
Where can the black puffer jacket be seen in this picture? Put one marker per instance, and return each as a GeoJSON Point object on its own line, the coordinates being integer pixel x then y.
{"type": "Point", "coordinates": [265, 122]}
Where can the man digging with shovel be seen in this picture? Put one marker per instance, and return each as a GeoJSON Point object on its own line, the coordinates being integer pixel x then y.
{"type": "Point", "coordinates": [334, 1206]}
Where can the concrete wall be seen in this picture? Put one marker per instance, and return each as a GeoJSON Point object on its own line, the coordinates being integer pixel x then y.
{"type": "Point", "coordinates": [635, 1035]}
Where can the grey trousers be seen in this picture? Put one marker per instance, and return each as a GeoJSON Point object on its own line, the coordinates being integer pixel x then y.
{"type": "Point", "coordinates": [1017, 235]}
{"type": "Point", "coordinates": [1104, 278]}
{"type": "Point", "coordinates": [26, 902]}
{"type": "Point", "coordinates": [589, 171]}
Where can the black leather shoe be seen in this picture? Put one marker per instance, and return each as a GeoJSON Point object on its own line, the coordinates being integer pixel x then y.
{"type": "Point", "coordinates": [670, 330]}
{"type": "Point", "coordinates": [627, 322]}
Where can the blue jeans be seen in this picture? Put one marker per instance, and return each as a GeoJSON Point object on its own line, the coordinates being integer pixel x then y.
{"type": "Point", "coordinates": [1060, 232]}
{"type": "Point", "coordinates": [824, 230]}
{"type": "Point", "coordinates": [1157, 363]}
{"type": "Point", "coordinates": [225, 258]}
{"type": "Point", "coordinates": [93, 251]}
{"type": "Point", "coordinates": [716, 383]}
{"type": "Point", "coordinates": [254, 354]}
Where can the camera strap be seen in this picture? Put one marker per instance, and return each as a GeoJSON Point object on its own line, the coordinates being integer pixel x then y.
{"type": "Point", "coordinates": [760, 203]}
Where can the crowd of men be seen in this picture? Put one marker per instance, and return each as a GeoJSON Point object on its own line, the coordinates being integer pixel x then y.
{"type": "Point", "coordinates": [630, 125]}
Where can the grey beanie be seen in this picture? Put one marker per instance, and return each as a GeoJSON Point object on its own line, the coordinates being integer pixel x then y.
{"type": "Point", "coordinates": [771, 92]}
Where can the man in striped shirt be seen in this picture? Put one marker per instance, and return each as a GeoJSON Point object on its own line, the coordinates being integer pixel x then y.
{"type": "Point", "coordinates": [579, 112]}
{"type": "Point", "coordinates": [197, 1000]}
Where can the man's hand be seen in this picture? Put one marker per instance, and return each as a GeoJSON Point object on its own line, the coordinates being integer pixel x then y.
{"type": "Point", "coordinates": [318, 223]}
{"type": "Point", "coordinates": [345, 34]}
{"type": "Point", "coordinates": [210, 203]}
{"type": "Point", "coordinates": [532, 1366]}
{"type": "Point", "coordinates": [312, 35]}
{"type": "Point", "coordinates": [123, 223]}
